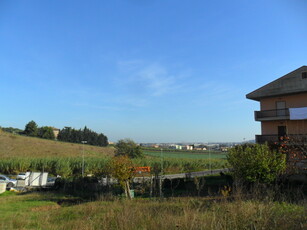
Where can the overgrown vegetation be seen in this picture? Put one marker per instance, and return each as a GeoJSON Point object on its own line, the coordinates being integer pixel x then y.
{"type": "Point", "coordinates": [295, 149]}
{"type": "Point", "coordinates": [72, 166]}
{"type": "Point", "coordinates": [55, 211]}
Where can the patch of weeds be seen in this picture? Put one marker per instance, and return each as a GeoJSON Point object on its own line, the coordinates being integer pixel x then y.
{"type": "Point", "coordinates": [201, 205]}
{"type": "Point", "coordinates": [284, 208]}
{"type": "Point", "coordinates": [8, 193]}
{"type": "Point", "coordinates": [70, 202]}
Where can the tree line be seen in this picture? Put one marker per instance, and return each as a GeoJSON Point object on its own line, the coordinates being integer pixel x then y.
{"type": "Point", "coordinates": [66, 134]}
{"type": "Point", "coordinates": [33, 130]}
{"type": "Point", "coordinates": [69, 134]}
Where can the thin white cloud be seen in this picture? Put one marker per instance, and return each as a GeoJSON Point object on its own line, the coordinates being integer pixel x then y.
{"type": "Point", "coordinates": [135, 102]}
{"type": "Point", "coordinates": [211, 90]}
{"type": "Point", "coordinates": [129, 65]}
{"type": "Point", "coordinates": [151, 79]}
{"type": "Point", "coordinates": [100, 107]}
{"type": "Point", "coordinates": [157, 79]}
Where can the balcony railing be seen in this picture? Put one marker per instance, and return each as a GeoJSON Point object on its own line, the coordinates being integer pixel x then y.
{"type": "Point", "coordinates": [275, 114]}
{"type": "Point", "coordinates": [300, 138]}
{"type": "Point", "coordinates": [261, 139]}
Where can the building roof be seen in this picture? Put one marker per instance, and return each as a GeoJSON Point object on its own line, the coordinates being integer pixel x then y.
{"type": "Point", "coordinates": [292, 83]}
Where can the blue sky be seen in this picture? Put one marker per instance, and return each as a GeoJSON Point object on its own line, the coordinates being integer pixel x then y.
{"type": "Point", "coordinates": [153, 71]}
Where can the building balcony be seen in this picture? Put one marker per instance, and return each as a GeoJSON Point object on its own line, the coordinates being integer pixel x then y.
{"type": "Point", "coordinates": [272, 115]}
{"type": "Point", "coordinates": [261, 139]}
{"type": "Point", "coordinates": [299, 138]}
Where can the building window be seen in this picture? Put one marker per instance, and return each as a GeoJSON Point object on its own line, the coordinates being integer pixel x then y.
{"type": "Point", "coordinates": [280, 108]}
{"type": "Point", "coordinates": [304, 75]}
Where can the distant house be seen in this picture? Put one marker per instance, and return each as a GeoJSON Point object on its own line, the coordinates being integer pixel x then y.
{"type": "Point", "coordinates": [55, 132]}
{"type": "Point", "coordinates": [200, 147]}
{"type": "Point", "coordinates": [177, 147]}
{"type": "Point", "coordinates": [283, 107]}
{"type": "Point", "coordinates": [188, 147]}
{"type": "Point", "coordinates": [224, 149]}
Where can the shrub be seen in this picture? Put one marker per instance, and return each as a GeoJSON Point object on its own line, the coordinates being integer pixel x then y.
{"type": "Point", "coordinates": [121, 168]}
{"type": "Point", "coordinates": [46, 132]}
{"type": "Point", "coordinates": [256, 163]}
{"type": "Point", "coordinates": [128, 148]}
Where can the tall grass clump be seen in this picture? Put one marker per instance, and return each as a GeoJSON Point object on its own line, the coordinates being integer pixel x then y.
{"type": "Point", "coordinates": [65, 167]}
{"type": "Point", "coordinates": [68, 166]}
{"type": "Point", "coordinates": [171, 165]}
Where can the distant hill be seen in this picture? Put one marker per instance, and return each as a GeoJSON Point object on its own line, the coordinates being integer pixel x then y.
{"type": "Point", "coordinates": [14, 145]}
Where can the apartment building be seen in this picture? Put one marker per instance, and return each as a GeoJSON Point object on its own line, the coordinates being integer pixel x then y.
{"type": "Point", "coordinates": [283, 107]}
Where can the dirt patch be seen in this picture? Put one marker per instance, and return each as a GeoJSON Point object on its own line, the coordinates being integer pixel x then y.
{"type": "Point", "coordinates": [69, 202]}
{"type": "Point", "coordinates": [46, 208]}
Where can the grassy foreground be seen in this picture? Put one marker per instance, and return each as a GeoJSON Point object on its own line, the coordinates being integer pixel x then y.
{"type": "Point", "coordinates": [51, 211]}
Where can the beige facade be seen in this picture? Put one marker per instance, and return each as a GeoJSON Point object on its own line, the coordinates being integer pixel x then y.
{"type": "Point", "coordinates": [278, 100]}
{"type": "Point", "coordinates": [56, 132]}
{"type": "Point", "coordinates": [291, 101]}
{"type": "Point", "coordinates": [292, 127]}
{"type": "Point", "coordinates": [296, 127]}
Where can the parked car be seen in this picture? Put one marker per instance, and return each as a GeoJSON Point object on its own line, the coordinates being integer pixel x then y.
{"type": "Point", "coordinates": [21, 176]}
{"type": "Point", "coordinates": [9, 182]}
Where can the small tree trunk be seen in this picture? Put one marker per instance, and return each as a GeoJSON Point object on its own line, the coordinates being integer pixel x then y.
{"type": "Point", "coordinates": [151, 183]}
{"type": "Point", "coordinates": [127, 189]}
{"type": "Point", "coordinates": [160, 187]}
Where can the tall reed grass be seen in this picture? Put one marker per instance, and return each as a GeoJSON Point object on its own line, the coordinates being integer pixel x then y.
{"type": "Point", "coordinates": [69, 166]}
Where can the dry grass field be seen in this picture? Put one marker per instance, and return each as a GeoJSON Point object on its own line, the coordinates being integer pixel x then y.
{"type": "Point", "coordinates": [12, 145]}
{"type": "Point", "coordinates": [53, 211]}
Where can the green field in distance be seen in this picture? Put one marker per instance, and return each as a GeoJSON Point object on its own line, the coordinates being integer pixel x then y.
{"type": "Point", "coordinates": [186, 155]}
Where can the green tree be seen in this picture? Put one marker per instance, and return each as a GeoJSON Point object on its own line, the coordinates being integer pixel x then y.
{"type": "Point", "coordinates": [256, 163]}
{"type": "Point", "coordinates": [121, 168]}
{"type": "Point", "coordinates": [128, 148]}
{"type": "Point", "coordinates": [46, 132]}
{"type": "Point", "coordinates": [31, 129]}
{"type": "Point", "coordinates": [76, 136]}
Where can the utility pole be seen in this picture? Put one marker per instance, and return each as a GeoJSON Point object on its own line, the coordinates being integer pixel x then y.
{"type": "Point", "coordinates": [209, 158]}
{"type": "Point", "coordinates": [160, 184]}
{"type": "Point", "coordinates": [161, 161]}
{"type": "Point", "coordinates": [83, 142]}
